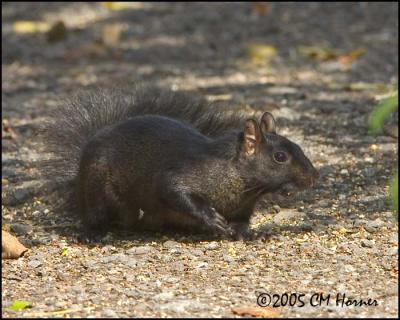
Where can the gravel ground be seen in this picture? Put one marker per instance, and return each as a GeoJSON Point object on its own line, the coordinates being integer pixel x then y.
{"type": "Point", "coordinates": [340, 237]}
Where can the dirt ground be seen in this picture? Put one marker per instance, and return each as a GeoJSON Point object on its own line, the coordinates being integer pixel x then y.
{"type": "Point", "coordinates": [340, 237]}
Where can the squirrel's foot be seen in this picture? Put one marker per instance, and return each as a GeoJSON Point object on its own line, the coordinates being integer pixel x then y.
{"type": "Point", "coordinates": [91, 236]}
{"type": "Point", "coordinates": [241, 231]}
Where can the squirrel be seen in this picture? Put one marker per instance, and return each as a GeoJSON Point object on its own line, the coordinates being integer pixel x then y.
{"type": "Point", "coordinates": [152, 159]}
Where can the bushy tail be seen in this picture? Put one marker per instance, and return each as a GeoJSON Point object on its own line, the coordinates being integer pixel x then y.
{"type": "Point", "coordinates": [87, 112]}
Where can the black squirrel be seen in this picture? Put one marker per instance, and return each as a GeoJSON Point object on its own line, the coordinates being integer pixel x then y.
{"type": "Point", "coordinates": [156, 159]}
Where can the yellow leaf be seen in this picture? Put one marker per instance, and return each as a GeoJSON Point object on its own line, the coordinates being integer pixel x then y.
{"type": "Point", "coordinates": [232, 251]}
{"type": "Point", "coordinates": [261, 52]}
{"type": "Point", "coordinates": [374, 147]}
{"type": "Point", "coordinates": [116, 6]}
{"type": "Point", "coordinates": [64, 252]}
{"type": "Point", "coordinates": [21, 305]}
{"type": "Point", "coordinates": [30, 27]}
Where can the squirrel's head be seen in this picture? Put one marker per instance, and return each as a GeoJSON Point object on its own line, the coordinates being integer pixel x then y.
{"type": "Point", "coordinates": [274, 163]}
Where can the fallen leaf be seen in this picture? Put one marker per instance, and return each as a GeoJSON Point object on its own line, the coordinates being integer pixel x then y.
{"type": "Point", "coordinates": [374, 147]}
{"type": "Point", "coordinates": [6, 130]}
{"type": "Point", "coordinates": [322, 53]}
{"type": "Point", "coordinates": [261, 8]}
{"type": "Point", "coordinates": [116, 6]}
{"type": "Point", "coordinates": [64, 252]}
{"type": "Point", "coordinates": [318, 53]}
{"type": "Point", "coordinates": [11, 247]}
{"type": "Point", "coordinates": [21, 305]}
{"type": "Point", "coordinates": [30, 27]}
{"type": "Point", "coordinates": [260, 312]}
{"type": "Point", "coordinates": [352, 56]}
{"type": "Point", "coordinates": [261, 53]}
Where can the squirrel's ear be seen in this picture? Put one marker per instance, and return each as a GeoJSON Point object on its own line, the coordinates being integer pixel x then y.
{"type": "Point", "coordinates": [251, 137]}
{"type": "Point", "coordinates": [267, 123]}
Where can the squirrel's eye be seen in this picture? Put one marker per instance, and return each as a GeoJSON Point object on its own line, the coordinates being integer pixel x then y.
{"type": "Point", "coordinates": [280, 157]}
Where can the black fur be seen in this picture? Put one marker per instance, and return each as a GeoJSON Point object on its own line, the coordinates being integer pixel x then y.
{"type": "Point", "coordinates": [154, 159]}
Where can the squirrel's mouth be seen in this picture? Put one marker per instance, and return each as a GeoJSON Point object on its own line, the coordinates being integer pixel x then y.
{"type": "Point", "coordinates": [300, 185]}
{"type": "Point", "coordinates": [288, 189]}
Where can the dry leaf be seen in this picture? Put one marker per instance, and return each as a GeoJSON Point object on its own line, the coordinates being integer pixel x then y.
{"type": "Point", "coordinates": [260, 8]}
{"type": "Point", "coordinates": [329, 54]}
{"type": "Point", "coordinates": [353, 55]}
{"type": "Point", "coordinates": [6, 131]}
{"type": "Point", "coordinates": [259, 312]}
{"type": "Point", "coordinates": [30, 27]}
{"type": "Point", "coordinates": [11, 247]}
{"type": "Point", "coordinates": [318, 53]}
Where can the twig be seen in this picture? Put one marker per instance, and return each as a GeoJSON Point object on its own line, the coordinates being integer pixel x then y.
{"type": "Point", "coordinates": [55, 313]}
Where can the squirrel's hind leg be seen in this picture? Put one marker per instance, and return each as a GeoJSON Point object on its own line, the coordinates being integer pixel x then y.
{"type": "Point", "coordinates": [94, 204]}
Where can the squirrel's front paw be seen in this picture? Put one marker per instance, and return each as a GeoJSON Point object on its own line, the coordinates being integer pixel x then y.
{"type": "Point", "coordinates": [219, 225]}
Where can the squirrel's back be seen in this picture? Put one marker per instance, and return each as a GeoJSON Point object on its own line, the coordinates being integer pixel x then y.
{"type": "Point", "coordinates": [85, 114]}
{"type": "Point", "coordinates": [151, 139]}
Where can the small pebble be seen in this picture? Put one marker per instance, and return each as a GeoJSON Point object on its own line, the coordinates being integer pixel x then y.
{"type": "Point", "coordinates": [34, 263]}
{"type": "Point", "coordinates": [393, 251]}
{"type": "Point", "coordinates": [197, 252]}
{"type": "Point", "coordinates": [367, 243]}
{"type": "Point", "coordinates": [110, 313]}
{"type": "Point", "coordinates": [139, 250]}
{"type": "Point", "coordinates": [211, 246]}
{"type": "Point", "coordinates": [171, 244]}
